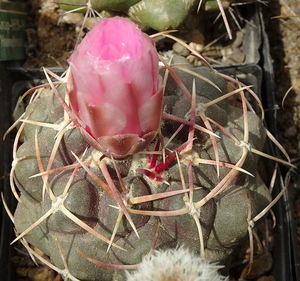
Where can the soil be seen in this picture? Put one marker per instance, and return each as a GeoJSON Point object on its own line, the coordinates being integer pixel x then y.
{"type": "Point", "coordinates": [50, 44]}
{"type": "Point", "coordinates": [284, 36]}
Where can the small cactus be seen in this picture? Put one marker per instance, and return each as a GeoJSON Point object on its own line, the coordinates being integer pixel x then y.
{"type": "Point", "coordinates": [196, 184]}
{"type": "Point", "coordinates": [175, 265]}
{"type": "Point", "coordinates": [159, 14]}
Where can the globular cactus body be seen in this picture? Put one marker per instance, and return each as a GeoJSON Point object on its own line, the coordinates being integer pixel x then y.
{"type": "Point", "coordinates": [195, 185]}
{"type": "Point", "coordinates": [223, 220]}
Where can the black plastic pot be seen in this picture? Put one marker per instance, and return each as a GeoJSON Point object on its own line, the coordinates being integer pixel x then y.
{"type": "Point", "coordinates": [12, 51]}
{"type": "Point", "coordinates": [6, 226]}
{"type": "Point", "coordinates": [292, 178]}
{"type": "Point", "coordinates": [285, 256]}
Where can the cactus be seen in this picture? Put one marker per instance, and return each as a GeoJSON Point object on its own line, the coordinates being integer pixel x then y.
{"type": "Point", "coordinates": [96, 214]}
{"type": "Point", "coordinates": [175, 264]}
{"type": "Point", "coordinates": [159, 15]}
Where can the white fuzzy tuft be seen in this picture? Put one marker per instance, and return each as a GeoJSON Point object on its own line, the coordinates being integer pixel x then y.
{"type": "Point", "coordinates": [175, 265]}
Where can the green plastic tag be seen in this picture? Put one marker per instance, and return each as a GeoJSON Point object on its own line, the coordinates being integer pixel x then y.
{"type": "Point", "coordinates": [12, 30]}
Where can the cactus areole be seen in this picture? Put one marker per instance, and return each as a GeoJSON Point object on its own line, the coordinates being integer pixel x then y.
{"type": "Point", "coordinates": [116, 91]}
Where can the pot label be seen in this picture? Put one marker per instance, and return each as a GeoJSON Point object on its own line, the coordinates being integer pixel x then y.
{"type": "Point", "coordinates": [12, 30]}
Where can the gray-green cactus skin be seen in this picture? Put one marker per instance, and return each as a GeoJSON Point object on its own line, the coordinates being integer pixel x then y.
{"type": "Point", "coordinates": [159, 14]}
{"type": "Point", "coordinates": [223, 219]}
{"type": "Point", "coordinates": [212, 5]}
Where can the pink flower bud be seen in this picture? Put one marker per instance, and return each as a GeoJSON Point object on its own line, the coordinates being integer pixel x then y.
{"type": "Point", "coordinates": [116, 90]}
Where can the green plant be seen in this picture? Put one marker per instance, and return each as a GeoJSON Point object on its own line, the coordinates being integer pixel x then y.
{"type": "Point", "coordinates": [159, 15]}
